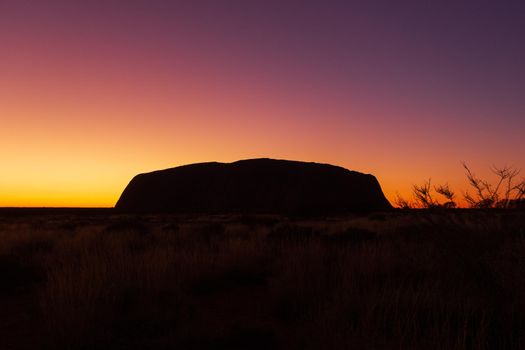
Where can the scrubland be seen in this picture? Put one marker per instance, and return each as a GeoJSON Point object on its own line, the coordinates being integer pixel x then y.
{"type": "Point", "coordinates": [414, 279]}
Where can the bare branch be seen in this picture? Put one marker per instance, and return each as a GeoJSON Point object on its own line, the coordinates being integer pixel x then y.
{"type": "Point", "coordinates": [475, 182]}
{"type": "Point", "coordinates": [423, 196]}
{"type": "Point", "coordinates": [401, 202]}
{"type": "Point", "coordinates": [489, 195]}
{"type": "Point", "coordinates": [520, 190]}
{"type": "Point", "coordinates": [470, 200]}
{"type": "Point", "coordinates": [445, 191]}
{"type": "Point", "coordinates": [502, 193]}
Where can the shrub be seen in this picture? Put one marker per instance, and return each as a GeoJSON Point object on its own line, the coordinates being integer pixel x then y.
{"type": "Point", "coordinates": [505, 192]}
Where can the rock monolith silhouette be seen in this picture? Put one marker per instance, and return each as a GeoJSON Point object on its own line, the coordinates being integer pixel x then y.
{"type": "Point", "coordinates": [254, 186]}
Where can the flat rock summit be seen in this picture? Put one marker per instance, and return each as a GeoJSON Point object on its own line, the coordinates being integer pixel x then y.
{"type": "Point", "coordinates": [254, 186]}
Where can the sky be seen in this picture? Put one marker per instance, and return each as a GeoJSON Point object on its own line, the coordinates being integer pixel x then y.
{"type": "Point", "coordinates": [95, 92]}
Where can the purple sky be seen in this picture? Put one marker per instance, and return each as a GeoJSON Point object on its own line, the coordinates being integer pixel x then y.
{"type": "Point", "coordinates": [401, 89]}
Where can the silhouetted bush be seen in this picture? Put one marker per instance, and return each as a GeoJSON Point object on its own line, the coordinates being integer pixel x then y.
{"type": "Point", "coordinates": [502, 194]}
{"type": "Point", "coordinates": [505, 192]}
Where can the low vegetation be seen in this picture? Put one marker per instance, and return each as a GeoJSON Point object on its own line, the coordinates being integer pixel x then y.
{"type": "Point", "coordinates": [394, 280]}
{"type": "Point", "coordinates": [505, 192]}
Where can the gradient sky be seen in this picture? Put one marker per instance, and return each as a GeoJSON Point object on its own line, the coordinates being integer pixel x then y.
{"type": "Point", "coordinates": [93, 92]}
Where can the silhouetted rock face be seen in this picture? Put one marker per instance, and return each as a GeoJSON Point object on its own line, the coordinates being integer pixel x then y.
{"type": "Point", "coordinates": [256, 186]}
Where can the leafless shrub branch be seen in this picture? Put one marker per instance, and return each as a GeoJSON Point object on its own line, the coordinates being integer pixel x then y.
{"type": "Point", "coordinates": [423, 195]}
{"type": "Point", "coordinates": [504, 194]}
{"type": "Point", "coordinates": [402, 203]}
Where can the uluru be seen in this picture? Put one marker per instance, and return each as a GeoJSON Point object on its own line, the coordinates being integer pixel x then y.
{"type": "Point", "coordinates": [255, 186]}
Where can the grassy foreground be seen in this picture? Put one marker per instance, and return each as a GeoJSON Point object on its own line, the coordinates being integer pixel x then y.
{"type": "Point", "coordinates": [400, 280]}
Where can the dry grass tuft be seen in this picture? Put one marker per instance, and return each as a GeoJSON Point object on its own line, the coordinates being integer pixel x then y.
{"type": "Point", "coordinates": [415, 280]}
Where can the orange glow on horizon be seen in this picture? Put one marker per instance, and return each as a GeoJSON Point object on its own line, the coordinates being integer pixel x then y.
{"type": "Point", "coordinates": [90, 98]}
